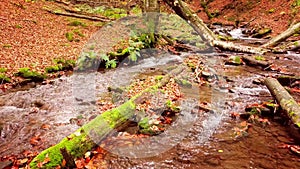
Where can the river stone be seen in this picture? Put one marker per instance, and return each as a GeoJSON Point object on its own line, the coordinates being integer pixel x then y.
{"type": "Point", "coordinates": [4, 164]}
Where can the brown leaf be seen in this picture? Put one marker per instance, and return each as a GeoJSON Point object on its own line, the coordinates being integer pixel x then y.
{"type": "Point", "coordinates": [35, 140]}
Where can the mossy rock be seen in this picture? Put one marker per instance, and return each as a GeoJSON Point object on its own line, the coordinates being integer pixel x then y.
{"type": "Point", "coordinates": [262, 32]}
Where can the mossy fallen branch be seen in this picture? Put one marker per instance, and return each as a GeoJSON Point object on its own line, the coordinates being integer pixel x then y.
{"type": "Point", "coordinates": [287, 103]}
{"type": "Point", "coordinates": [92, 133]}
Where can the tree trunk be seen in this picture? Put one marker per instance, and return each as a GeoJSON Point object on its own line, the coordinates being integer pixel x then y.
{"type": "Point", "coordinates": [152, 9]}
{"type": "Point", "coordinates": [186, 13]}
{"type": "Point", "coordinates": [287, 103]}
{"type": "Point", "coordinates": [283, 36]}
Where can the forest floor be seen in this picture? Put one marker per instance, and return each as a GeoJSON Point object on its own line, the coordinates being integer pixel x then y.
{"type": "Point", "coordinates": [276, 15]}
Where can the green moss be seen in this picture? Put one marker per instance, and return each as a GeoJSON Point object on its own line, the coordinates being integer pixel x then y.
{"type": "Point", "coordinates": [2, 70]}
{"type": "Point", "coordinates": [52, 69]}
{"type": "Point", "coordinates": [70, 36]}
{"type": "Point", "coordinates": [159, 77]}
{"type": "Point", "coordinates": [76, 144]}
{"type": "Point", "coordinates": [296, 3]}
{"type": "Point", "coordinates": [79, 142]}
{"type": "Point", "coordinates": [259, 58]}
{"type": "Point", "coordinates": [18, 26]}
{"type": "Point", "coordinates": [183, 82]}
{"type": "Point", "coordinates": [172, 106]}
{"type": "Point", "coordinates": [76, 23]}
{"type": "Point", "coordinates": [113, 116]}
{"type": "Point", "coordinates": [254, 111]}
{"type": "Point", "coordinates": [292, 114]}
{"type": "Point", "coordinates": [192, 66]}
{"type": "Point", "coordinates": [136, 10]}
{"type": "Point", "coordinates": [79, 33]}
{"type": "Point", "coordinates": [235, 59]}
{"type": "Point", "coordinates": [60, 65]}
{"type": "Point", "coordinates": [144, 123]}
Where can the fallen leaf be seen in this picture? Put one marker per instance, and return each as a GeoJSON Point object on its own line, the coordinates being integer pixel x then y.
{"type": "Point", "coordinates": [45, 126]}
{"type": "Point", "coordinates": [244, 124]}
{"type": "Point", "coordinates": [22, 161]}
{"type": "Point", "coordinates": [35, 140]}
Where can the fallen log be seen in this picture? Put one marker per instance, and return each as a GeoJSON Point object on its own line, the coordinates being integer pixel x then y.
{"type": "Point", "coordinates": [182, 9]}
{"type": "Point", "coordinates": [93, 18]}
{"type": "Point", "coordinates": [287, 103]}
{"type": "Point", "coordinates": [251, 61]}
{"type": "Point", "coordinates": [291, 46]}
{"type": "Point", "coordinates": [283, 36]}
{"type": "Point", "coordinates": [92, 133]}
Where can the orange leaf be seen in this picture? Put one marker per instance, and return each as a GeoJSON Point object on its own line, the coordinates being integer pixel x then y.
{"type": "Point", "coordinates": [35, 140]}
{"type": "Point", "coordinates": [63, 163]}
{"type": "Point", "coordinates": [244, 124]}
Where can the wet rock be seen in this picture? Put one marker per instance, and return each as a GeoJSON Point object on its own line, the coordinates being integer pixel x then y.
{"type": "Point", "coordinates": [206, 74]}
{"type": "Point", "coordinates": [245, 116]}
{"type": "Point", "coordinates": [234, 60]}
{"type": "Point", "coordinates": [258, 81]}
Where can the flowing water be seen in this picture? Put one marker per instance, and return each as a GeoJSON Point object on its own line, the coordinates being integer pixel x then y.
{"type": "Point", "coordinates": [53, 111]}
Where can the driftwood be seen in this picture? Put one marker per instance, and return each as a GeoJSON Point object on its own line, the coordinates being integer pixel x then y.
{"type": "Point", "coordinates": [283, 36]}
{"type": "Point", "coordinates": [186, 13]}
{"type": "Point", "coordinates": [251, 61]}
{"type": "Point", "coordinates": [287, 103]}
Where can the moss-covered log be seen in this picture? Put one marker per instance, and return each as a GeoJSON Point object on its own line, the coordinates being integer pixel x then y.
{"type": "Point", "coordinates": [251, 61]}
{"type": "Point", "coordinates": [86, 137]}
{"type": "Point", "coordinates": [92, 133]}
{"type": "Point", "coordinates": [287, 103]}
